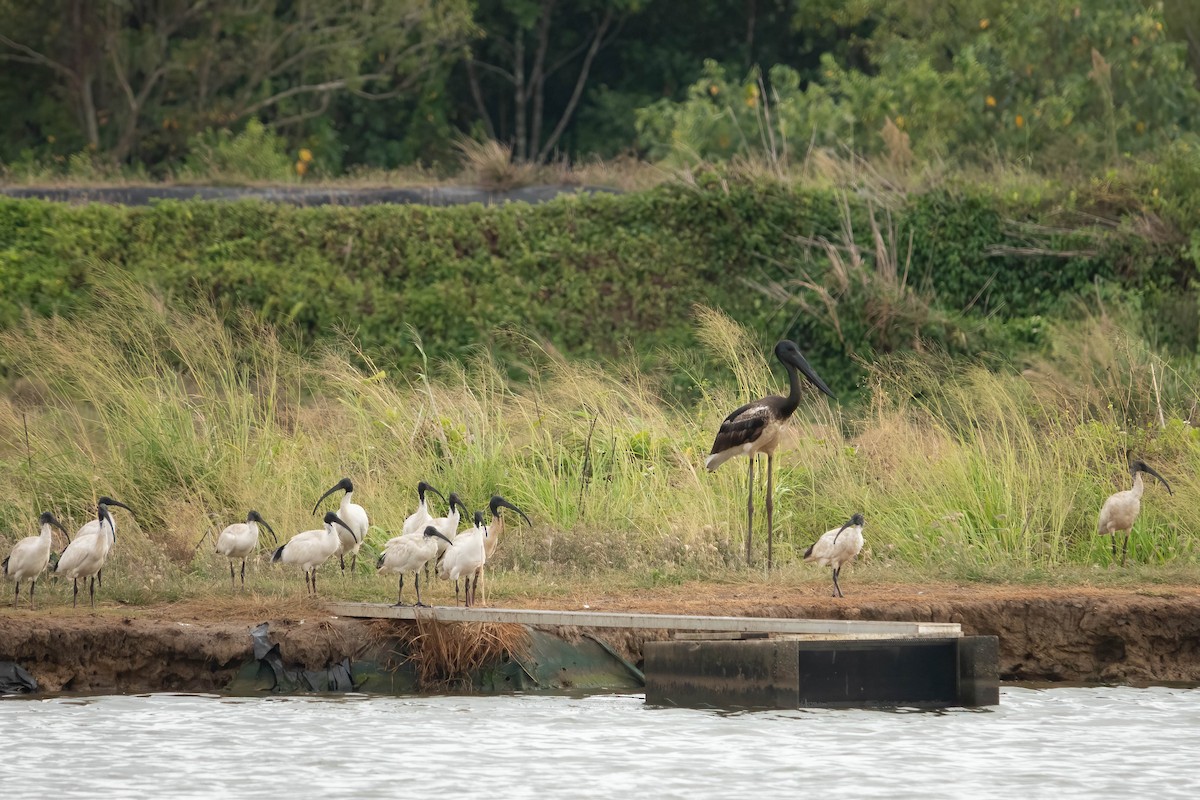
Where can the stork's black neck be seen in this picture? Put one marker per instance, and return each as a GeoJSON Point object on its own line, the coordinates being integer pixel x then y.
{"type": "Point", "coordinates": [792, 401]}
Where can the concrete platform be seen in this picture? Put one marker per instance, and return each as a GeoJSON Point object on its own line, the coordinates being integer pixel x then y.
{"type": "Point", "coordinates": [823, 629]}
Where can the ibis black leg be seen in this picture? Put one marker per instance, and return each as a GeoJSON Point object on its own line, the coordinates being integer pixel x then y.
{"type": "Point", "coordinates": [307, 584]}
{"type": "Point", "coordinates": [314, 574]}
{"type": "Point", "coordinates": [749, 508]}
{"type": "Point", "coordinates": [74, 592]}
{"type": "Point", "coordinates": [837, 590]}
{"type": "Point", "coordinates": [341, 560]}
{"type": "Point", "coordinates": [417, 581]}
{"type": "Point", "coordinates": [770, 509]}
{"type": "Point", "coordinates": [456, 594]}
{"type": "Point", "coordinates": [32, 586]}
{"type": "Point", "coordinates": [232, 580]}
{"type": "Point", "coordinates": [243, 572]}
{"type": "Point", "coordinates": [1124, 548]}
{"type": "Point", "coordinates": [100, 577]}
{"type": "Point", "coordinates": [400, 591]}
{"type": "Point", "coordinates": [354, 562]}
{"type": "Point", "coordinates": [16, 593]}
{"type": "Point", "coordinates": [92, 591]}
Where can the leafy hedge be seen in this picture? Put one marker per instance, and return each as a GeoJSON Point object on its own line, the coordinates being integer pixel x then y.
{"type": "Point", "coordinates": [593, 275]}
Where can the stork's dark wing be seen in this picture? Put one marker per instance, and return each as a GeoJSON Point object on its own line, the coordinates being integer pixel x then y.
{"type": "Point", "coordinates": [744, 425]}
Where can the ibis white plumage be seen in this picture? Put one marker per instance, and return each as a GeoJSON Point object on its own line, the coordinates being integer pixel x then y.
{"type": "Point", "coordinates": [311, 549]}
{"type": "Point", "coordinates": [30, 556]}
{"type": "Point", "coordinates": [92, 527]}
{"type": "Point", "coordinates": [464, 559]}
{"type": "Point", "coordinates": [355, 525]}
{"type": "Point", "coordinates": [756, 427]}
{"type": "Point", "coordinates": [409, 553]}
{"type": "Point", "coordinates": [417, 521]}
{"type": "Point", "coordinates": [240, 540]}
{"type": "Point", "coordinates": [86, 555]}
{"type": "Point", "coordinates": [837, 547]}
{"type": "Point", "coordinates": [1120, 510]}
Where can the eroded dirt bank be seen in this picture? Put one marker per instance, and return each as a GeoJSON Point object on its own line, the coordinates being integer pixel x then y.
{"type": "Point", "coordinates": [1076, 634]}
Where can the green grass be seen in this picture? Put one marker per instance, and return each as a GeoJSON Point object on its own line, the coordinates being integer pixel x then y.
{"type": "Point", "coordinates": [963, 473]}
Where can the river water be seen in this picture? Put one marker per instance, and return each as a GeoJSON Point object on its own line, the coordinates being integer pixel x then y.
{"type": "Point", "coordinates": [1060, 742]}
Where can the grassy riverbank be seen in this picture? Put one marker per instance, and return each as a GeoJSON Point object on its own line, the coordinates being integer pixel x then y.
{"type": "Point", "coordinates": [962, 472]}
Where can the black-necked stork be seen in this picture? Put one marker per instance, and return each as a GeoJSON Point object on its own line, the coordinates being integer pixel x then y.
{"type": "Point", "coordinates": [755, 428]}
{"type": "Point", "coordinates": [1120, 510]}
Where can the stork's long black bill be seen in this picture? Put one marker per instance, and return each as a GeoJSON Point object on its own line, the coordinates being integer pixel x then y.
{"type": "Point", "coordinates": [1162, 480]}
{"type": "Point", "coordinates": [500, 502]}
{"type": "Point", "coordinates": [801, 363]}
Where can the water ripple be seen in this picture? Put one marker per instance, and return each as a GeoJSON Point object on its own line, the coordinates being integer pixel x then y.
{"type": "Point", "coordinates": [1062, 742]}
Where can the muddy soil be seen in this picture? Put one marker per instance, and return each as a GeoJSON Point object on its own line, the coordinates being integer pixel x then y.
{"type": "Point", "coordinates": [1046, 633]}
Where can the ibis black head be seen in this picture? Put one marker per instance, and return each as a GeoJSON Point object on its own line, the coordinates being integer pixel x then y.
{"type": "Point", "coordinates": [108, 501]}
{"type": "Point", "coordinates": [344, 485]}
{"type": "Point", "coordinates": [333, 519]}
{"type": "Point", "coordinates": [478, 519]}
{"type": "Point", "coordinates": [432, 531]}
{"type": "Point", "coordinates": [254, 516]}
{"type": "Point", "coordinates": [787, 352]}
{"type": "Point", "coordinates": [854, 521]}
{"type": "Point", "coordinates": [424, 487]}
{"type": "Point", "coordinates": [454, 500]}
{"type": "Point", "coordinates": [1142, 466]}
{"type": "Point", "coordinates": [498, 502]}
{"type": "Point", "coordinates": [103, 515]}
{"type": "Point", "coordinates": [48, 519]}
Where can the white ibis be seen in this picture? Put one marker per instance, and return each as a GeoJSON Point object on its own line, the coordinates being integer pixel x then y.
{"type": "Point", "coordinates": [409, 553]}
{"type": "Point", "coordinates": [240, 540]}
{"type": "Point", "coordinates": [1120, 510]}
{"type": "Point", "coordinates": [755, 428]}
{"type": "Point", "coordinates": [85, 556]}
{"type": "Point", "coordinates": [417, 521]}
{"type": "Point", "coordinates": [836, 547]}
{"type": "Point", "coordinates": [355, 525]}
{"type": "Point", "coordinates": [92, 527]}
{"type": "Point", "coordinates": [495, 529]}
{"type": "Point", "coordinates": [311, 549]}
{"type": "Point", "coordinates": [30, 556]}
{"type": "Point", "coordinates": [447, 526]}
{"type": "Point", "coordinates": [464, 560]}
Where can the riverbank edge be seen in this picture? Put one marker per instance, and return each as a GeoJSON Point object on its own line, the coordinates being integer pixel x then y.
{"type": "Point", "coordinates": [1050, 635]}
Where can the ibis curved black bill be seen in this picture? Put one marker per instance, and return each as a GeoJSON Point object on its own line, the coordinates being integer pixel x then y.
{"type": "Point", "coordinates": [855, 520]}
{"type": "Point", "coordinates": [254, 515]}
{"type": "Point", "coordinates": [108, 501]}
{"type": "Point", "coordinates": [499, 502]}
{"type": "Point", "coordinates": [103, 516]}
{"type": "Point", "coordinates": [455, 500]}
{"type": "Point", "coordinates": [432, 531]}
{"type": "Point", "coordinates": [332, 519]}
{"type": "Point", "coordinates": [343, 485]}
{"type": "Point", "coordinates": [48, 519]}
{"type": "Point", "coordinates": [1142, 466]}
{"type": "Point", "coordinates": [424, 487]}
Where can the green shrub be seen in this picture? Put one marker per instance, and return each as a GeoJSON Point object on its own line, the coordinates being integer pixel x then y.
{"type": "Point", "coordinates": [253, 154]}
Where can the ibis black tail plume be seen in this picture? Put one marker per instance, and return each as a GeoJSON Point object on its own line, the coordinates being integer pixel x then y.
{"type": "Point", "coordinates": [278, 554]}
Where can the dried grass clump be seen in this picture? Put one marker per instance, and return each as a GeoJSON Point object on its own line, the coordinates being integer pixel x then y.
{"type": "Point", "coordinates": [447, 654]}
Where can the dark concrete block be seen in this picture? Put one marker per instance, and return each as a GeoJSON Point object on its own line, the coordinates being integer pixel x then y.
{"type": "Point", "coordinates": [979, 671]}
{"type": "Point", "coordinates": [722, 674]}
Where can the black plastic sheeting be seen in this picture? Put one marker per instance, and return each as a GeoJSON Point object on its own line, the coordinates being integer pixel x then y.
{"type": "Point", "coordinates": [15, 680]}
{"type": "Point", "coordinates": [300, 196]}
{"type": "Point", "coordinates": [334, 678]}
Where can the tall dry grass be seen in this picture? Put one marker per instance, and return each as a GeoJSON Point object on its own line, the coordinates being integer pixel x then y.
{"type": "Point", "coordinates": [192, 420]}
